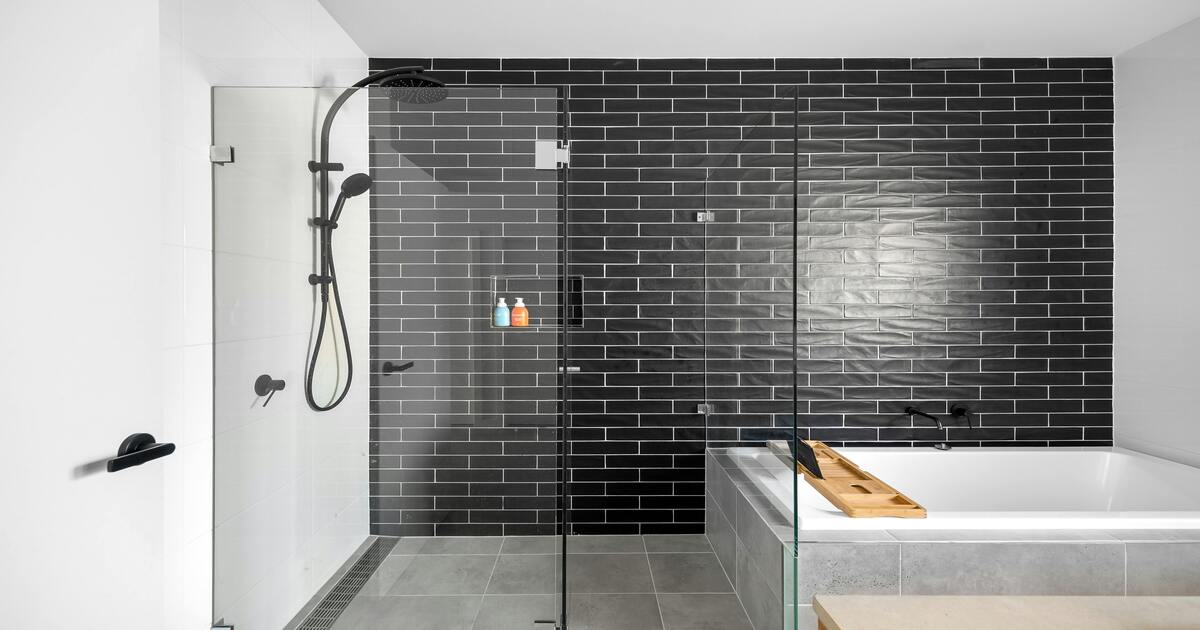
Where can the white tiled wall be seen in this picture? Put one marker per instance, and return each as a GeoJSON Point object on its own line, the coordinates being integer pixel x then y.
{"type": "Point", "coordinates": [206, 43]}
{"type": "Point", "coordinates": [80, 317]}
{"type": "Point", "coordinates": [1156, 340]}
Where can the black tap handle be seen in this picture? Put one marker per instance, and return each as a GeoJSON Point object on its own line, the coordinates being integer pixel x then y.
{"type": "Point", "coordinates": [264, 385]}
{"type": "Point", "coordinates": [959, 411]}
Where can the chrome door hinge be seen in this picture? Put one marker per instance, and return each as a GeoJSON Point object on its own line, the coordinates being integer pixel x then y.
{"type": "Point", "coordinates": [706, 217]}
{"type": "Point", "coordinates": [570, 368]}
{"type": "Point", "coordinates": [548, 155]}
{"type": "Point", "coordinates": [704, 409]}
{"type": "Point", "coordinates": [222, 154]}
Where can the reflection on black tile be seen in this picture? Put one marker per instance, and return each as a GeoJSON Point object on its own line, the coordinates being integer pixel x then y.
{"type": "Point", "coordinates": [950, 209]}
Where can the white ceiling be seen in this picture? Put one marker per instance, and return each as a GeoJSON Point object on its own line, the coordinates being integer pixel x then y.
{"type": "Point", "coordinates": [755, 28]}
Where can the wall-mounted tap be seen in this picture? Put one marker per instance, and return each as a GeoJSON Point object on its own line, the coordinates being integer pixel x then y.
{"type": "Point", "coordinates": [960, 412]}
{"type": "Point", "coordinates": [913, 411]}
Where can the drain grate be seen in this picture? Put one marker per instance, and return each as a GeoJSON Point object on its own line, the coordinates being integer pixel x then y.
{"type": "Point", "coordinates": [339, 597]}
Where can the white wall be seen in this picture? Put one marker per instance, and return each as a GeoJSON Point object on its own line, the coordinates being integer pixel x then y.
{"type": "Point", "coordinates": [1157, 298]}
{"type": "Point", "coordinates": [206, 43]}
{"type": "Point", "coordinates": [80, 347]}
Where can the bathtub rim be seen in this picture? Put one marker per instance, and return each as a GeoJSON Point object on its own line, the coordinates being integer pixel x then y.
{"type": "Point", "coordinates": [815, 519]}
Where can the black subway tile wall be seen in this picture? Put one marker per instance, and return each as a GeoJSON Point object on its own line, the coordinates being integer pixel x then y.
{"type": "Point", "coordinates": [955, 246]}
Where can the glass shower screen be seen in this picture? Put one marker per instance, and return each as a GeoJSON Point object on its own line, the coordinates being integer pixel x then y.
{"type": "Point", "coordinates": [451, 432]}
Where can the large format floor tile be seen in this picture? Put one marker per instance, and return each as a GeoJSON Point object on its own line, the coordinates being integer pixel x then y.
{"type": "Point", "coordinates": [448, 545]}
{"type": "Point", "coordinates": [688, 573]}
{"type": "Point", "coordinates": [702, 612]}
{"type": "Point", "coordinates": [509, 612]}
{"type": "Point", "coordinates": [677, 543]}
{"type": "Point", "coordinates": [609, 573]}
{"type": "Point", "coordinates": [531, 544]}
{"type": "Point", "coordinates": [524, 574]}
{"type": "Point", "coordinates": [614, 584]}
{"type": "Point", "coordinates": [444, 575]}
{"type": "Point", "coordinates": [613, 612]}
{"type": "Point", "coordinates": [421, 612]}
{"type": "Point", "coordinates": [605, 544]}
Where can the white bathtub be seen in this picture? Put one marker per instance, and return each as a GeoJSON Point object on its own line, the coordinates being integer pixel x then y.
{"type": "Point", "coordinates": [1000, 488]}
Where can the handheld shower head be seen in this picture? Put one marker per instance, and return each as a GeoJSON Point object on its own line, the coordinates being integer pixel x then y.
{"type": "Point", "coordinates": [352, 186]}
{"type": "Point", "coordinates": [356, 184]}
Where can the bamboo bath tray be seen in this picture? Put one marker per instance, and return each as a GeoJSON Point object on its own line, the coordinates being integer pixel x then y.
{"type": "Point", "coordinates": [851, 489]}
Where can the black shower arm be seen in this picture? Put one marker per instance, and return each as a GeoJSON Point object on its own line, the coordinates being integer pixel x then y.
{"type": "Point", "coordinates": [322, 165]}
{"type": "Point", "coordinates": [327, 125]}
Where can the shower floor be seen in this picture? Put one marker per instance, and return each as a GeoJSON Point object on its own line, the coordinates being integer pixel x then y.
{"type": "Point", "coordinates": [667, 582]}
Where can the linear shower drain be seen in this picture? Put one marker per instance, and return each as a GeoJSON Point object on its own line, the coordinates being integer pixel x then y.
{"type": "Point", "coordinates": [339, 597]}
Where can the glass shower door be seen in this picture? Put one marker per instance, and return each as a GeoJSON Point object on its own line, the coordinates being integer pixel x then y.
{"type": "Point", "coordinates": [455, 459]}
{"type": "Point", "coordinates": [466, 444]}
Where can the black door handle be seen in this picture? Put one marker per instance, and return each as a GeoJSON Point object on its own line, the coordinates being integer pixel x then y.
{"type": "Point", "coordinates": [138, 449]}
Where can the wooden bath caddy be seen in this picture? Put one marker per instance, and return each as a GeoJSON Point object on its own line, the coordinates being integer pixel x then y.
{"type": "Point", "coordinates": [851, 489]}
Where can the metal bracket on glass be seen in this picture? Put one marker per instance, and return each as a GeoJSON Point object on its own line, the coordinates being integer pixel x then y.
{"type": "Point", "coordinates": [548, 155]}
{"type": "Point", "coordinates": [706, 217]}
{"type": "Point", "coordinates": [704, 409]}
{"type": "Point", "coordinates": [570, 368]}
{"type": "Point", "coordinates": [220, 154]}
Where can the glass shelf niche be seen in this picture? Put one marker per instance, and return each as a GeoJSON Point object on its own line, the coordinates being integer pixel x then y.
{"type": "Point", "coordinates": [541, 296]}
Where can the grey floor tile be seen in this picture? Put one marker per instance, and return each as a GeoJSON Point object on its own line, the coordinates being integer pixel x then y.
{"type": "Point", "coordinates": [444, 575]}
{"type": "Point", "coordinates": [531, 544]}
{"type": "Point", "coordinates": [608, 573]}
{"type": "Point", "coordinates": [385, 575]}
{"type": "Point", "coordinates": [679, 543]}
{"type": "Point", "coordinates": [424, 612]}
{"type": "Point", "coordinates": [524, 574]}
{"type": "Point", "coordinates": [448, 545]}
{"type": "Point", "coordinates": [703, 612]}
{"type": "Point", "coordinates": [613, 612]}
{"type": "Point", "coordinates": [688, 573]}
{"type": "Point", "coordinates": [605, 544]}
{"type": "Point", "coordinates": [514, 612]}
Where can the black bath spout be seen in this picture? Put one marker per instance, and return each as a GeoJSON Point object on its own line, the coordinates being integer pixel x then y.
{"type": "Point", "coordinates": [913, 411]}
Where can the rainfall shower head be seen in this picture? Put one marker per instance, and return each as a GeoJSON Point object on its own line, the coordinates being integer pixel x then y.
{"type": "Point", "coordinates": [415, 88]}
{"type": "Point", "coordinates": [356, 184]}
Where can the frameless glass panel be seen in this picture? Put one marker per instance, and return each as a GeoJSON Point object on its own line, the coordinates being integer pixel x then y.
{"type": "Point", "coordinates": [466, 442]}
{"type": "Point", "coordinates": [290, 484]}
{"type": "Point", "coordinates": [446, 448]}
{"type": "Point", "coordinates": [750, 355]}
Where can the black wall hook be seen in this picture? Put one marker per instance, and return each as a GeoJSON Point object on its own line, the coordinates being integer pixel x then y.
{"type": "Point", "coordinates": [264, 385]}
{"type": "Point", "coordinates": [138, 449]}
